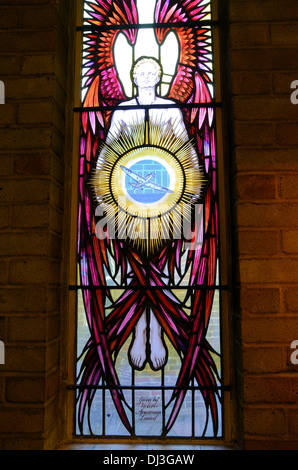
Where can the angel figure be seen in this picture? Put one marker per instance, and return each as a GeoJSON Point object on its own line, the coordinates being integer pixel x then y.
{"type": "Point", "coordinates": [146, 74]}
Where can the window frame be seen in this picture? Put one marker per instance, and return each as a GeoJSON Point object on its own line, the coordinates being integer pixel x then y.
{"type": "Point", "coordinates": [224, 266]}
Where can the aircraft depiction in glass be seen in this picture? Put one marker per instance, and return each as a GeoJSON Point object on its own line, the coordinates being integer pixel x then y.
{"type": "Point", "coordinates": [144, 182]}
{"type": "Point", "coordinates": [152, 167]}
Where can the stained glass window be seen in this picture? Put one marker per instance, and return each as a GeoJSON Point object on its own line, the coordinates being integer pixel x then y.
{"type": "Point", "coordinates": [149, 356]}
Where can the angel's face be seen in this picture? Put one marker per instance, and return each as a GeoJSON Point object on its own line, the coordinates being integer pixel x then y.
{"type": "Point", "coordinates": [146, 76]}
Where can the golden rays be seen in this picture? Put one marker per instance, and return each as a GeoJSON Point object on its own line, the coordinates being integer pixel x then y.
{"type": "Point", "coordinates": [147, 224]}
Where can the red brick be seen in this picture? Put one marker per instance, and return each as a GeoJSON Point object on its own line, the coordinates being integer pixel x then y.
{"type": "Point", "coordinates": [30, 215]}
{"type": "Point", "coordinates": [26, 329]}
{"type": "Point", "coordinates": [16, 190]}
{"type": "Point", "coordinates": [269, 329]}
{"type": "Point", "coordinates": [249, 34]}
{"type": "Point", "coordinates": [258, 358]}
{"type": "Point", "coordinates": [293, 422]}
{"type": "Point", "coordinates": [53, 322]}
{"type": "Point", "coordinates": [33, 164]}
{"type": "Point", "coordinates": [266, 159]}
{"type": "Point", "coordinates": [7, 114]}
{"type": "Point", "coordinates": [272, 443]}
{"type": "Point", "coordinates": [29, 41]}
{"type": "Point", "coordinates": [288, 187]}
{"type": "Point", "coordinates": [256, 243]}
{"type": "Point", "coordinates": [6, 165]}
{"type": "Point", "coordinates": [30, 443]}
{"type": "Point", "coordinates": [34, 271]}
{"type": "Point", "coordinates": [260, 300]}
{"type": "Point", "coordinates": [39, 113]}
{"type": "Point", "coordinates": [21, 420]}
{"type": "Point", "coordinates": [283, 34]}
{"type": "Point", "coordinates": [265, 422]}
{"type": "Point", "coordinates": [20, 300]}
{"type": "Point", "coordinates": [269, 270]}
{"type": "Point", "coordinates": [251, 83]}
{"type": "Point", "coordinates": [25, 390]}
{"type": "Point", "coordinates": [53, 300]}
{"type": "Point", "coordinates": [265, 59]}
{"type": "Point", "coordinates": [29, 88]}
{"type": "Point", "coordinates": [286, 133]}
{"type": "Point", "coordinates": [267, 10]}
{"type": "Point", "coordinates": [39, 18]}
{"type": "Point", "coordinates": [9, 18]}
{"type": "Point", "coordinates": [249, 133]}
{"type": "Point", "coordinates": [10, 65]}
{"type": "Point", "coordinates": [56, 219]}
{"type": "Point", "coordinates": [3, 274]}
{"type": "Point", "coordinates": [267, 215]}
{"type": "Point", "coordinates": [256, 187]}
{"type": "Point", "coordinates": [271, 389]}
{"type": "Point", "coordinates": [291, 299]}
{"type": "Point", "coordinates": [264, 108]}
{"type": "Point", "coordinates": [4, 216]}
{"type": "Point", "coordinates": [57, 195]}
{"type": "Point", "coordinates": [43, 64]}
{"type": "Point", "coordinates": [290, 241]}
{"type": "Point", "coordinates": [26, 138]}
{"type": "Point", "coordinates": [282, 82]}
{"type": "Point", "coordinates": [25, 358]}
{"type": "Point", "coordinates": [28, 243]}
{"type": "Point", "coordinates": [52, 384]}
{"type": "Point", "coordinates": [51, 413]}
{"type": "Point", "coordinates": [52, 356]}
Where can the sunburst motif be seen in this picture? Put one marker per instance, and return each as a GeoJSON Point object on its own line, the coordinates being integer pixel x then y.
{"type": "Point", "coordinates": [144, 224]}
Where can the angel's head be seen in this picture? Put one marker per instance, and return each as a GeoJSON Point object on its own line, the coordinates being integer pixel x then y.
{"type": "Point", "coordinates": [146, 72]}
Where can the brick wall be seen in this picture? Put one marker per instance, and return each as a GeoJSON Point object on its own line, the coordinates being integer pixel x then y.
{"type": "Point", "coordinates": [264, 48]}
{"type": "Point", "coordinates": [33, 67]}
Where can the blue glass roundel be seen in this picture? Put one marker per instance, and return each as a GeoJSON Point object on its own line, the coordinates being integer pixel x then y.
{"type": "Point", "coordinates": [147, 181]}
